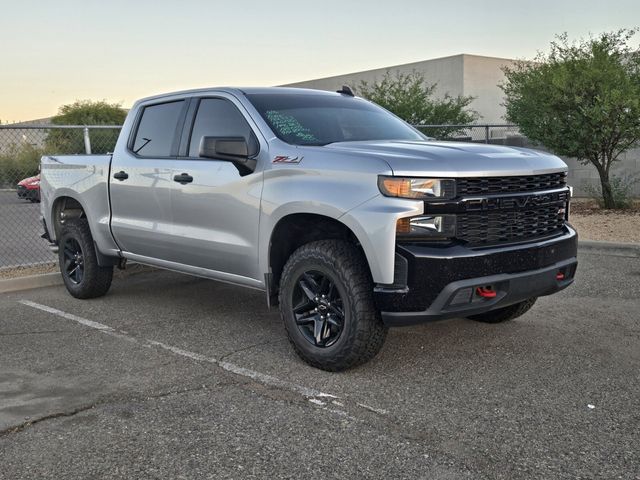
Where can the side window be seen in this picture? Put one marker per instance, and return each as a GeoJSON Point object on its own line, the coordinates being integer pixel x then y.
{"type": "Point", "coordinates": [157, 129]}
{"type": "Point", "coordinates": [217, 117]}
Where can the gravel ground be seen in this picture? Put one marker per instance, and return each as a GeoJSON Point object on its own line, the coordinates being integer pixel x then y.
{"type": "Point", "coordinates": [26, 271]}
{"type": "Point", "coordinates": [593, 223]}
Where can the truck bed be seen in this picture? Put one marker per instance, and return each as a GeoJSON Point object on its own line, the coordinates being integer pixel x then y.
{"type": "Point", "coordinates": [83, 178]}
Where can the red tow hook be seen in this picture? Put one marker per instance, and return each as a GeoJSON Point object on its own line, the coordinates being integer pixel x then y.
{"type": "Point", "coordinates": [486, 292]}
{"type": "Point", "coordinates": [559, 276]}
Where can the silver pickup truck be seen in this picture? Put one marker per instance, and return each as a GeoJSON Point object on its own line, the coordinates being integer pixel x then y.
{"type": "Point", "coordinates": [345, 216]}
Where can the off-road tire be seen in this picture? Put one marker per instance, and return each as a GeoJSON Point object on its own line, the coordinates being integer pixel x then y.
{"type": "Point", "coordinates": [96, 280]}
{"type": "Point", "coordinates": [363, 331]}
{"type": "Point", "coordinates": [506, 313]}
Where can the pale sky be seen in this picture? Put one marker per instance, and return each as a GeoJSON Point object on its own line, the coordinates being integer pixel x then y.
{"type": "Point", "coordinates": [55, 52]}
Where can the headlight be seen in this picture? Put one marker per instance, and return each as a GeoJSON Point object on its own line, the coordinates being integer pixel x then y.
{"type": "Point", "coordinates": [423, 226]}
{"type": "Point", "coordinates": [417, 188]}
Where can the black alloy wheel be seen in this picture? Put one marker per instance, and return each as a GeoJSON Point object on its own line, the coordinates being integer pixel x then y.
{"type": "Point", "coordinates": [73, 260]}
{"type": "Point", "coordinates": [327, 306]}
{"type": "Point", "coordinates": [318, 308]}
{"type": "Point", "coordinates": [83, 276]}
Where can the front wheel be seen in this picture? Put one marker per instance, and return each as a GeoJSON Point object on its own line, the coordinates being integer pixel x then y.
{"type": "Point", "coordinates": [81, 274]}
{"type": "Point", "coordinates": [506, 313]}
{"type": "Point", "coordinates": [326, 302]}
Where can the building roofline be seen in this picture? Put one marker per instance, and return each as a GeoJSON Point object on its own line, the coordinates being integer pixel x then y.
{"type": "Point", "coordinates": [401, 65]}
{"type": "Point", "coordinates": [37, 121]}
{"type": "Point", "coordinates": [487, 56]}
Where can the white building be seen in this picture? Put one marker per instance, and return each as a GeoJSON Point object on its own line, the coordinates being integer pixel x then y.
{"type": "Point", "coordinates": [470, 75]}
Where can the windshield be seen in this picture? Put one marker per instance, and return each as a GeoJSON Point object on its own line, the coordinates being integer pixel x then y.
{"type": "Point", "coordinates": [308, 119]}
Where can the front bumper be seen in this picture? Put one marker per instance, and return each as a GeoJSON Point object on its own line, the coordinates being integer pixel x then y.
{"type": "Point", "coordinates": [441, 282]}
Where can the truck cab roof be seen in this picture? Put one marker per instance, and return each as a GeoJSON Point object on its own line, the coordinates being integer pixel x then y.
{"type": "Point", "coordinates": [240, 91]}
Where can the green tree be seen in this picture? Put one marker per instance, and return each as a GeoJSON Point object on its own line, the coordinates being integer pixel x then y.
{"type": "Point", "coordinates": [85, 112]}
{"type": "Point", "coordinates": [411, 98]}
{"type": "Point", "coordinates": [582, 100]}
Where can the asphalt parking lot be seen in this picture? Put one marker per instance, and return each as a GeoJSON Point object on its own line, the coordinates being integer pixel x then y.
{"type": "Point", "coordinates": [170, 376]}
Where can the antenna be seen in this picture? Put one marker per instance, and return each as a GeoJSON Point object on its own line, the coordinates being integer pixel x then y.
{"type": "Point", "coordinates": [345, 90]}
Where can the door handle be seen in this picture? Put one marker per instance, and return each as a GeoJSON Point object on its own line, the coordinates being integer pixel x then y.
{"type": "Point", "coordinates": [121, 175]}
{"type": "Point", "coordinates": [183, 178]}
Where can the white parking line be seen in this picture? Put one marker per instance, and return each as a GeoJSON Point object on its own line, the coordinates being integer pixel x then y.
{"type": "Point", "coordinates": [68, 316]}
{"type": "Point", "coordinates": [265, 379]}
{"type": "Point", "coordinates": [379, 411]}
{"type": "Point", "coordinates": [314, 396]}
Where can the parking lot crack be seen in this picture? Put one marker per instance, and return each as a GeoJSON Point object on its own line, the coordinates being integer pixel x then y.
{"type": "Point", "coordinates": [22, 426]}
{"type": "Point", "coordinates": [244, 349]}
{"type": "Point", "coordinates": [104, 402]}
{"type": "Point", "coordinates": [36, 332]}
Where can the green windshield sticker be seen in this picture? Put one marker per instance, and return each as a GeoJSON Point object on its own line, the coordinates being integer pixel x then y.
{"type": "Point", "coordinates": [287, 125]}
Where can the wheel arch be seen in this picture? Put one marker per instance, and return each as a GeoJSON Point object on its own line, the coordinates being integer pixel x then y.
{"type": "Point", "coordinates": [63, 208]}
{"type": "Point", "coordinates": [66, 207]}
{"type": "Point", "coordinates": [294, 230]}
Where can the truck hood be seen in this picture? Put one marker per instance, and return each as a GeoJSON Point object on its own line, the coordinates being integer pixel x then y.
{"type": "Point", "coordinates": [454, 159]}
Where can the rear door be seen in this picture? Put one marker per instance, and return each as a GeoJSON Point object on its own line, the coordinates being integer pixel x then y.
{"type": "Point", "coordinates": [142, 182]}
{"type": "Point", "coordinates": [216, 213]}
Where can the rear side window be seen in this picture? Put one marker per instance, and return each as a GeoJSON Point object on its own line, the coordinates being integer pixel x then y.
{"type": "Point", "coordinates": [157, 129]}
{"type": "Point", "coordinates": [217, 117]}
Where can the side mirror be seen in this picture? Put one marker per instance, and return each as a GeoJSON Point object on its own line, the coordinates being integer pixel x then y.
{"type": "Point", "coordinates": [234, 149]}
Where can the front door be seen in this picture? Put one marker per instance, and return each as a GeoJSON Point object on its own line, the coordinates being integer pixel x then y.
{"type": "Point", "coordinates": [216, 208]}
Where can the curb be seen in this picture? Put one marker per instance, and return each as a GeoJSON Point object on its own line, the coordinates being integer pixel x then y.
{"type": "Point", "coordinates": [54, 279]}
{"type": "Point", "coordinates": [619, 247]}
{"type": "Point", "coordinates": [30, 282]}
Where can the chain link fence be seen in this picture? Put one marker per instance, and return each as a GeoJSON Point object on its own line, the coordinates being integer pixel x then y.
{"type": "Point", "coordinates": [21, 147]}
{"type": "Point", "coordinates": [492, 134]}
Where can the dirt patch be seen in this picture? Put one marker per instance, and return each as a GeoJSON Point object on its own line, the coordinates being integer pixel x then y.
{"type": "Point", "coordinates": [594, 223]}
{"type": "Point", "coordinates": [608, 228]}
{"type": "Point", "coordinates": [27, 271]}
{"type": "Point", "coordinates": [583, 206]}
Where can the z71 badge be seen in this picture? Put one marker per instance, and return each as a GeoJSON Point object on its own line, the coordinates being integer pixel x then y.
{"type": "Point", "coordinates": [286, 159]}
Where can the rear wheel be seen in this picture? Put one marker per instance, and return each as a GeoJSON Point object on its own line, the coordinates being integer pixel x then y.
{"type": "Point", "coordinates": [81, 274]}
{"type": "Point", "coordinates": [327, 306]}
{"type": "Point", "coordinates": [506, 313]}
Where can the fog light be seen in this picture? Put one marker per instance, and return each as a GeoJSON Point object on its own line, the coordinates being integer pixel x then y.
{"type": "Point", "coordinates": [438, 226]}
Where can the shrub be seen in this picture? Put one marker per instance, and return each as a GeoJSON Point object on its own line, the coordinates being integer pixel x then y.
{"type": "Point", "coordinates": [19, 162]}
{"type": "Point", "coordinates": [621, 191]}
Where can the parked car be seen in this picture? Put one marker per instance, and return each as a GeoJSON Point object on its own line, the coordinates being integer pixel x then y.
{"type": "Point", "coordinates": [349, 219]}
{"type": "Point", "coordinates": [29, 189]}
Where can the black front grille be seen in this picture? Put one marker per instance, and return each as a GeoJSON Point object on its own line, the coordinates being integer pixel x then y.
{"type": "Point", "coordinates": [496, 185]}
{"type": "Point", "coordinates": [488, 228]}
